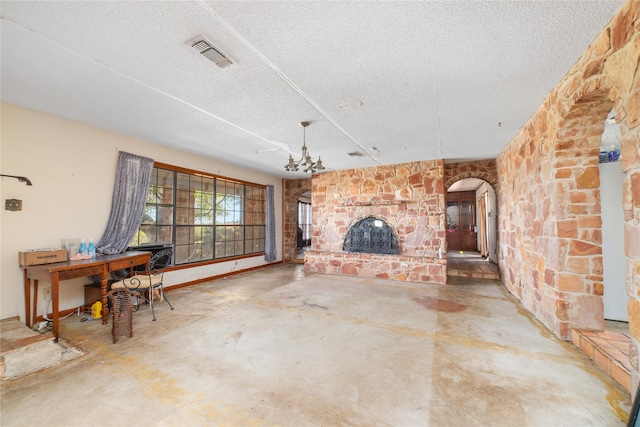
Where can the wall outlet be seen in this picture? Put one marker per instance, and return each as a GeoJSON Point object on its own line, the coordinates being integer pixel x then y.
{"type": "Point", "coordinates": [13, 205]}
{"type": "Point", "coordinates": [47, 294]}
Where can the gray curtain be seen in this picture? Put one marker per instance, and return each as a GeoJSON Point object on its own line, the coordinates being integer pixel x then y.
{"type": "Point", "coordinates": [270, 252]}
{"type": "Point", "coordinates": [133, 176]}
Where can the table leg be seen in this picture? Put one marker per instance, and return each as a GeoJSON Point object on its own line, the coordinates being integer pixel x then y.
{"type": "Point", "coordinates": [27, 298]}
{"type": "Point", "coordinates": [103, 291]}
{"type": "Point", "coordinates": [55, 301]}
{"type": "Point", "coordinates": [35, 302]}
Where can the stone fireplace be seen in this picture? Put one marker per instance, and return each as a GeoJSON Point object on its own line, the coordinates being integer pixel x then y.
{"type": "Point", "coordinates": [407, 200]}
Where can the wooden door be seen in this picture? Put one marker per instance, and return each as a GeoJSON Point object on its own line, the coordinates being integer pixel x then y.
{"type": "Point", "coordinates": [461, 221]}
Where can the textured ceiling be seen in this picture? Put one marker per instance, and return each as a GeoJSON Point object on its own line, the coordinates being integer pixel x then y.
{"type": "Point", "coordinates": [396, 81]}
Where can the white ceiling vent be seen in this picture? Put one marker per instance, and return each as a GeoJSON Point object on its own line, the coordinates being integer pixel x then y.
{"type": "Point", "coordinates": [206, 49]}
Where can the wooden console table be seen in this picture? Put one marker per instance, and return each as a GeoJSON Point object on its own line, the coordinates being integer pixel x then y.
{"type": "Point", "coordinates": [101, 266]}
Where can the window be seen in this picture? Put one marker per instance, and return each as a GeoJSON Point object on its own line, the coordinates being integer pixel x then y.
{"type": "Point", "coordinates": [304, 224]}
{"type": "Point", "coordinates": [203, 217]}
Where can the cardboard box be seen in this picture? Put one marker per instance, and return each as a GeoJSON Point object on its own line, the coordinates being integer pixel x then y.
{"type": "Point", "coordinates": [42, 256]}
{"type": "Point", "coordinates": [93, 293]}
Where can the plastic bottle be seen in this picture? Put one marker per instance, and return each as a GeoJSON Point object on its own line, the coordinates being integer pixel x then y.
{"type": "Point", "coordinates": [96, 310]}
{"type": "Point", "coordinates": [83, 248]}
{"type": "Point", "coordinates": [92, 249]}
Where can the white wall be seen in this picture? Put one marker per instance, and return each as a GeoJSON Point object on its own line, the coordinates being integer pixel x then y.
{"type": "Point", "coordinates": [614, 260]}
{"type": "Point", "coordinates": [492, 245]}
{"type": "Point", "coordinates": [72, 167]}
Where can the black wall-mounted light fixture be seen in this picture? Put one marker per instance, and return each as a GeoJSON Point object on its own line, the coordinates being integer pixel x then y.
{"type": "Point", "coordinates": [19, 178]}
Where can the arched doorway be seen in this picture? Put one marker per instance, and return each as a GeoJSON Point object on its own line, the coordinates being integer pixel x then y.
{"type": "Point", "coordinates": [472, 229]}
{"type": "Point", "coordinates": [293, 190]}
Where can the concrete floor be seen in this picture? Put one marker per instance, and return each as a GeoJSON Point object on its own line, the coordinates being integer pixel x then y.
{"type": "Point", "coordinates": [279, 346]}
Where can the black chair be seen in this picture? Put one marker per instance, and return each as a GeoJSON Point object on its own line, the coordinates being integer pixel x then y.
{"type": "Point", "coordinates": [150, 280]}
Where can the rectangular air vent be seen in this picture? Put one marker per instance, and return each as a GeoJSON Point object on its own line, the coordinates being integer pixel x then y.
{"type": "Point", "coordinates": [206, 49]}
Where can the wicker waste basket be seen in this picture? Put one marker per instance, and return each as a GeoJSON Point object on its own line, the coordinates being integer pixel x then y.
{"type": "Point", "coordinates": [122, 309]}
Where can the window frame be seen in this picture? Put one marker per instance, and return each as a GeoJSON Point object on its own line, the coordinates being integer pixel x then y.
{"type": "Point", "coordinates": [255, 198]}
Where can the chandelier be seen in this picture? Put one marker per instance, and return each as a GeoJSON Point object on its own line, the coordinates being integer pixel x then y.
{"type": "Point", "coordinates": [305, 160]}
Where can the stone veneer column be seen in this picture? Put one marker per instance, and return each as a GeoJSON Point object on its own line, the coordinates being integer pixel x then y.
{"type": "Point", "coordinates": [293, 189]}
{"type": "Point", "coordinates": [550, 228]}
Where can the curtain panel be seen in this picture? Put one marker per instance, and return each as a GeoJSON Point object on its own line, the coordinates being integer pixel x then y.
{"type": "Point", "coordinates": [270, 252]}
{"type": "Point", "coordinates": [133, 177]}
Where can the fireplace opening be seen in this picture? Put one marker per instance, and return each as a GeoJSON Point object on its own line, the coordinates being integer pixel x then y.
{"type": "Point", "coordinates": [371, 235]}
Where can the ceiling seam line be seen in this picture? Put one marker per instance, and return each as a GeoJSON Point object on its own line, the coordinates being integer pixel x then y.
{"type": "Point", "coordinates": [437, 102]}
{"type": "Point", "coordinates": [275, 69]}
{"type": "Point", "coordinates": [146, 85]}
{"type": "Point", "coordinates": [440, 154]}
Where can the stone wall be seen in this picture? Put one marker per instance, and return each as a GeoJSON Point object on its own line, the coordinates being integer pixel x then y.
{"type": "Point", "coordinates": [481, 169]}
{"type": "Point", "coordinates": [409, 197]}
{"type": "Point", "coordinates": [293, 189]}
{"type": "Point", "coordinates": [550, 252]}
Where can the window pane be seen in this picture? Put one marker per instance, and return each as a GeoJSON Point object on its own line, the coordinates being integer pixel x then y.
{"type": "Point", "coordinates": [196, 183]}
{"type": "Point", "coordinates": [164, 195]}
{"type": "Point", "coordinates": [467, 215]}
{"type": "Point", "coordinates": [183, 198]}
{"type": "Point", "coordinates": [238, 233]}
{"type": "Point", "coordinates": [183, 181]}
{"type": "Point", "coordinates": [205, 215]}
{"type": "Point", "coordinates": [182, 235]}
{"type": "Point", "coordinates": [152, 197]}
{"type": "Point", "coordinates": [304, 222]}
{"type": "Point", "coordinates": [207, 184]}
{"type": "Point", "coordinates": [165, 178]}
{"type": "Point", "coordinates": [229, 204]}
{"type": "Point", "coordinates": [136, 239]}
{"type": "Point", "coordinates": [150, 214]}
{"type": "Point", "coordinates": [181, 254]}
{"type": "Point", "coordinates": [253, 242]}
{"type": "Point", "coordinates": [165, 215]}
{"type": "Point", "coordinates": [164, 234]}
{"type": "Point", "coordinates": [207, 242]}
{"type": "Point", "coordinates": [182, 216]}
{"type": "Point", "coordinates": [197, 235]}
{"type": "Point", "coordinates": [453, 215]}
{"type": "Point", "coordinates": [146, 235]}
